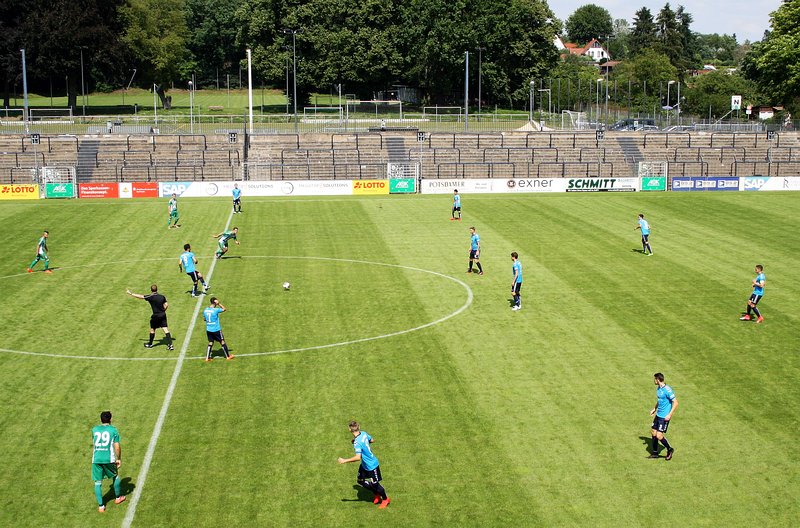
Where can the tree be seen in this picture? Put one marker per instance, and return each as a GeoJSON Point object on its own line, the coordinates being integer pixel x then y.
{"type": "Point", "coordinates": [643, 34]}
{"type": "Point", "coordinates": [157, 35]}
{"type": "Point", "coordinates": [773, 62]}
{"type": "Point", "coordinates": [619, 45]}
{"type": "Point", "coordinates": [717, 49]}
{"type": "Point", "coordinates": [646, 75]}
{"type": "Point", "coordinates": [588, 22]}
{"type": "Point", "coordinates": [669, 40]}
{"type": "Point", "coordinates": [212, 38]}
{"type": "Point", "coordinates": [712, 92]}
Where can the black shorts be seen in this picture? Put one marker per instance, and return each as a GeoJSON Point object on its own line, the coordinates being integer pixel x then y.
{"type": "Point", "coordinates": [646, 238]}
{"type": "Point", "coordinates": [215, 336]}
{"type": "Point", "coordinates": [755, 298]}
{"type": "Point", "coordinates": [158, 320]}
{"type": "Point", "coordinates": [194, 275]}
{"type": "Point", "coordinates": [660, 424]}
{"type": "Point", "coordinates": [237, 201]}
{"type": "Point", "coordinates": [371, 475]}
{"type": "Point", "coordinates": [474, 254]}
{"type": "Point", "coordinates": [517, 287]}
{"type": "Point", "coordinates": [457, 209]}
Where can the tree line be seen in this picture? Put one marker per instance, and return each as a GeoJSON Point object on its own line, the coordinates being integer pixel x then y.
{"type": "Point", "coordinates": [363, 47]}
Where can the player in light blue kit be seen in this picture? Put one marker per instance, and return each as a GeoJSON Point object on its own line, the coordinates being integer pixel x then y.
{"type": "Point", "coordinates": [237, 199]}
{"type": "Point", "coordinates": [644, 225]}
{"type": "Point", "coordinates": [758, 293]}
{"type": "Point", "coordinates": [214, 329]}
{"type": "Point", "coordinates": [516, 285]}
{"type": "Point", "coordinates": [666, 403]}
{"type": "Point", "coordinates": [474, 251]}
{"type": "Point", "coordinates": [369, 471]}
{"type": "Point", "coordinates": [188, 263]}
{"type": "Point", "coordinates": [456, 205]}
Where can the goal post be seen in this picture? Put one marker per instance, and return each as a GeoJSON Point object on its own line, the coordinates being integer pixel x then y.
{"type": "Point", "coordinates": [56, 182]}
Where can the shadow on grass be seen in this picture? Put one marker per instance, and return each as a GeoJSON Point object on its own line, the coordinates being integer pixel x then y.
{"type": "Point", "coordinates": [648, 444]}
{"type": "Point", "coordinates": [363, 495]}
{"type": "Point", "coordinates": [641, 251]}
{"type": "Point", "coordinates": [126, 488]}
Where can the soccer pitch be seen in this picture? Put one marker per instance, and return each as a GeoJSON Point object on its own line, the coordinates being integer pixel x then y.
{"type": "Point", "coordinates": [482, 416]}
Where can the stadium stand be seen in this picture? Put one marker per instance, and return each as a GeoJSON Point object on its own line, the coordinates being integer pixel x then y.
{"type": "Point", "coordinates": [343, 155]}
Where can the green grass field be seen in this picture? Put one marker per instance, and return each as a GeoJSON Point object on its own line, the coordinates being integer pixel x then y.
{"type": "Point", "coordinates": [486, 418]}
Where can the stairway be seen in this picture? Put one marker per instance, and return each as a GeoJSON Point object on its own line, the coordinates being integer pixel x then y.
{"type": "Point", "coordinates": [630, 148]}
{"type": "Point", "coordinates": [87, 159]}
{"type": "Point", "coordinates": [396, 149]}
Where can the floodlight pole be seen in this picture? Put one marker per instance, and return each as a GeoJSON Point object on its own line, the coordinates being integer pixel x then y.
{"type": "Point", "coordinates": [480, 74]}
{"type": "Point", "coordinates": [250, 86]}
{"type": "Point", "coordinates": [294, 33]}
{"type": "Point", "coordinates": [530, 105]}
{"type": "Point", "coordinates": [191, 106]}
{"type": "Point", "coordinates": [466, 91]}
{"type": "Point", "coordinates": [25, 91]}
{"type": "Point", "coordinates": [83, 85]}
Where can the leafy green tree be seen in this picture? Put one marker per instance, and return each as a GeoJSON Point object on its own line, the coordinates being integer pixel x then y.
{"type": "Point", "coordinates": [646, 74]}
{"type": "Point", "coordinates": [212, 38]}
{"type": "Point", "coordinates": [773, 62]}
{"type": "Point", "coordinates": [12, 15]}
{"type": "Point", "coordinates": [669, 40]}
{"type": "Point", "coordinates": [619, 44]}
{"type": "Point", "coordinates": [717, 49]}
{"type": "Point", "coordinates": [157, 34]}
{"type": "Point", "coordinates": [643, 34]}
{"type": "Point", "coordinates": [588, 22]}
{"type": "Point", "coordinates": [712, 91]}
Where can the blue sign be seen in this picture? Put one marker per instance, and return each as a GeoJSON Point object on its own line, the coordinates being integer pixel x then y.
{"type": "Point", "coordinates": [712, 183]}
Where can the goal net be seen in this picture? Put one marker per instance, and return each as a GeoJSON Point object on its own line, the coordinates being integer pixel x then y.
{"type": "Point", "coordinates": [652, 169]}
{"type": "Point", "coordinates": [56, 182]}
{"type": "Point", "coordinates": [571, 120]}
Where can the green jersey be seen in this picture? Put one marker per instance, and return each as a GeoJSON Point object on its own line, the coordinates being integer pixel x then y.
{"type": "Point", "coordinates": [42, 246]}
{"type": "Point", "coordinates": [173, 206]}
{"type": "Point", "coordinates": [104, 437]}
{"type": "Point", "coordinates": [227, 235]}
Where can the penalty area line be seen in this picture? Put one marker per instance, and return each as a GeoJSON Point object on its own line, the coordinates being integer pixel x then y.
{"type": "Point", "coordinates": [151, 447]}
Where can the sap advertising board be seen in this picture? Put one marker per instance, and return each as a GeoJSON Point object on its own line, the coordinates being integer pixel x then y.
{"type": "Point", "coordinates": [769, 183]}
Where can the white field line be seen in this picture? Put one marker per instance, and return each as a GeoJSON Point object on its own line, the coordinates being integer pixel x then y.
{"type": "Point", "coordinates": [151, 447]}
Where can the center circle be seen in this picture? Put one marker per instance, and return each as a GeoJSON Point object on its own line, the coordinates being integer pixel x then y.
{"type": "Point", "coordinates": [442, 319]}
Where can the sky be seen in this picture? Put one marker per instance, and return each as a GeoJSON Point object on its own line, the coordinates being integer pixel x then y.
{"type": "Point", "coordinates": [746, 18]}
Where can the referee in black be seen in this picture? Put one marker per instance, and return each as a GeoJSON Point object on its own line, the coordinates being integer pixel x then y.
{"type": "Point", "coordinates": [159, 305]}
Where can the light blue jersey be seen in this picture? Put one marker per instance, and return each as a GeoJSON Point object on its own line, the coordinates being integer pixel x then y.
{"type": "Point", "coordinates": [645, 226]}
{"type": "Point", "coordinates": [187, 260]}
{"type": "Point", "coordinates": [211, 317]}
{"type": "Point", "coordinates": [476, 240]}
{"type": "Point", "coordinates": [517, 270]}
{"type": "Point", "coordinates": [457, 200]}
{"type": "Point", "coordinates": [237, 192]}
{"type": "Point", "coordinates": [665, 397]}
{"type": "Point", "coordinates": [361, 446]}
{"type": "Point", "coordinates": [760, 278]}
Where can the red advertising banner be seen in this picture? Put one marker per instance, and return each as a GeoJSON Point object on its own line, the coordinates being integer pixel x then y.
{"type": "Point", "coordinates": [145, 189]}
{"type": "Point", "coordinates": [98, 190]}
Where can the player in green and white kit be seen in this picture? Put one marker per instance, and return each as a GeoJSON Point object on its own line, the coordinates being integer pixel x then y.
{"type": "Point", "coordinates": [41, 254]}
{"type": "Point", "coordinates": [172, 221]}
{"type": "Point", "coordinates": [223, 241]}
{"type": "Point", "coordinates": [106, 459]}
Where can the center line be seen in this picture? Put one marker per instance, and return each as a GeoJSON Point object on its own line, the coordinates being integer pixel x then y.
{"type": "Point", "coordinates": [151, 447]}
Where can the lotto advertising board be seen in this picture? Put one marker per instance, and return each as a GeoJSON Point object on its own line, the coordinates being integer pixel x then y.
{"type": "Point", "coordinates": [258, 188]}
{"type": "Point", "coordinates": [15, 191]}
{"type": "Point", "coordinates": [371, 186]}
{"type": "Point", "coordinates": [98, 190]}
{"type": "Point", "coordinates": [769, 183]}
{"type": "Point", "coordinates": [712, 183]}
{"type": "Point", "coordinates": [494, 185]}
{"type": "Point", "coordinates": [602, 184]}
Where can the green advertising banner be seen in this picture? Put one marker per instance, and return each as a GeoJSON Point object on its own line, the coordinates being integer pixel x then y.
{"type": "Point", "coordinates": [59, 190]}
{"type": "Point", "coordinates": [655, 183]}
{"type": "Point", "coordinates": [402, 186]}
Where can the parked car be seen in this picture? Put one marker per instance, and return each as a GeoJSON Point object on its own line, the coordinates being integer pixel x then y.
{"type": "Point", "coordinates": [633, 124]}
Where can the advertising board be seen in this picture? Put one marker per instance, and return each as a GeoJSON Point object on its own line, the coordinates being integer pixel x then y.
{"type": "Point", "coordinates": [602, 184]}
{"type": "Point", "coordinates": [402, 185]}
{"type": "Point", "coordinates": [59, 190]}
{"type": "Point", "coordinates": [712, 183]}
{"type": "Point", "coordinates": [98, 190]}
{"type": "Point", "coordinates": [767, 183]}
{"type": "Point", "coordinates": [370, 186]}
{"type": "Point", "coordinates": [654, 183]}
{"type": "Point", "coordinates": [14, 191]}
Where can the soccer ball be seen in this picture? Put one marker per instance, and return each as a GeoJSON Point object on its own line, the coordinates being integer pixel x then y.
{"type": "Point", "coordinates": [286, 285]}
